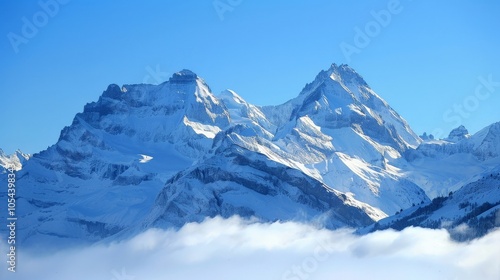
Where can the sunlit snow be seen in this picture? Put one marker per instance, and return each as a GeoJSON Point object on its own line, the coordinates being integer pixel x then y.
{"type": "Point", "coordinates": [145, 158]}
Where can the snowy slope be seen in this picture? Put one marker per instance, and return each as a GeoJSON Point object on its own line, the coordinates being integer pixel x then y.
{"type": "Point", "coordinates": [240, 182]}
{"type": "Point", "coordinates": [244, 113]}
{"type": "Point", "coordinates": [441, 166]}
{"type": "Point", "coordinates": [468, 213]}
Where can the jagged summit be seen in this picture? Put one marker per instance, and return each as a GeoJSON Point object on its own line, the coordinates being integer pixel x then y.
{"type": "Point", "coordinates": [346, 74]}
{"type": "Point", "coordinates": [343, 74]}
{"type": "Point", "coordinates": [458, 134]}
{"type": "Point", "coordinates": [426, 137]}
{"type": "Point", "coordinates": [339, 97]}
{"type": "Point", "coordinates": [17, 159]}
{"type": "Point", "coordinates": [183, 76]}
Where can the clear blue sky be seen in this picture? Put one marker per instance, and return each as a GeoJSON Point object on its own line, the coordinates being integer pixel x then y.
{"type": "Point", "coordinates": [424, 61]}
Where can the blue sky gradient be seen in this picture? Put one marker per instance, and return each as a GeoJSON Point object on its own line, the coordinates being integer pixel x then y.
{"type": "Point", "coordinates": [428, 59]}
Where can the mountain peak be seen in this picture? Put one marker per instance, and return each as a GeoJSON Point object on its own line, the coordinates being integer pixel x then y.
{"type": "Point", "coordinates": [458, 134]}
{"type": "Point", "coordinates": [345, 74]}
{"type": "Point", "coordinates": [17, 159]}
{"type": "Point", "coordinates": [231, 97]}
{"type": "Point", "coordinates": [183, 77]}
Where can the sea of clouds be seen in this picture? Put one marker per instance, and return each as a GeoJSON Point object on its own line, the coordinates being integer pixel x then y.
{"type": "Point", "coordinates": [241, 249]}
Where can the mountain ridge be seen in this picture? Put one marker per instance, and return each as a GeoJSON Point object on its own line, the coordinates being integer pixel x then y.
{"type": "Point", "coordinates": [337, 152]}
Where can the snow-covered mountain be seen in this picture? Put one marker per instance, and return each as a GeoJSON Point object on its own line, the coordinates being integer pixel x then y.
{"type": "Point", "coordinates": [337, 131]}
{"type": "Point", "coordinates": [16, 160]}
{"type": "Point", "coordinates": [470, 212]}
{"type": "Point", "coordinates": [111, 167]}
{"type": "Point", "coordinates": [108, 166]}
{"type": "Point", "coordinates": [163, 155]}
{"type": "Point", "coordinates": [349, 137]}
{"type": "Point", "coordinates": [441, 166]}
{"type": "Point", "coordinates": [462, 175]}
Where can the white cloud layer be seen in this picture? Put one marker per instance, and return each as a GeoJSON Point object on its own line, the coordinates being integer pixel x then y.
{"type": "Point", "coordinates": [238, 249]}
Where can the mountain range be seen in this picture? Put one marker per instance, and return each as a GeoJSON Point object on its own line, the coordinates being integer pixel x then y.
{"type": "Point", "coordinates": [337, 155]}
